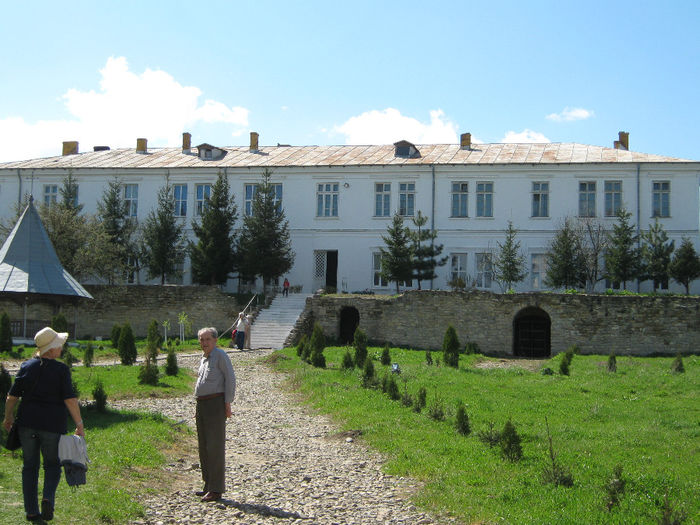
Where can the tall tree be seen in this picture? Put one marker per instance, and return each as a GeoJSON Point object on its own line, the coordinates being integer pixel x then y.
{"type": "Point", "coordinates": [622, 262]}
{"type": "Point", "coordinates": [685, 265]}
{"type": "Point", "coordinates": [163, 242]}
{"type": "Point", "coordinates": [564, 263]}
{"type": "Point", "coordinates": [426, 254]}
{"type": "Point", "coordinates": [593, 241]}
{"type": "Point", "coordinates": [264, 244]}
{"type": "Point", "coordinates": [509, 264]}
{"type": "Point", "coordinates": [397, 258]}
{"type": "Point", "coordinates": [213, 257]}
{"type": "Point", "coordinates": [113, 213]}
{"type": "Point", "coordinates": [69, 194]}
{"type": "Point", "coordinates": [656, 254]}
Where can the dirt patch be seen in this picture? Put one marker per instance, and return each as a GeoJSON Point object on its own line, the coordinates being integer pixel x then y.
{"type": "Point", "coordinates": [532, 365]}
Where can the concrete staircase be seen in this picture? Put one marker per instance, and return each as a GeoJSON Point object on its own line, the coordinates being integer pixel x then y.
{"type": "Point", "coordinates": [273, 324]}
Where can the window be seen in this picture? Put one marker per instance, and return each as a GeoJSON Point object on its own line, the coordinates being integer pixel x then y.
{"type": "Point", "coordinates": [484, 199]}
{"type": "Point", "coordinates": [613, 197]}
{"type": "Point", "coordinates": [612, 285]}
{"type": "Point", "coordinates": [460, 193]}
{"type": "Point", "coordinates": [484, 270]}
{"type": "Point", "coordinates": [132, 270]}
{"type": "Point", "coordinates": [252, 189]}
{"type": "Point", "coordinates": [131, 197]}
{"type": "Point", "coordinates": [458, 267]}
{"type": "Point", "coordinates": [50, 194]}
{"type": "Point", "coordinates": [407, 198]}
{"type": "Point", "coordinates": [586, 199]}
{"type": "Point", "coordinates": [180, 193]}
{"type": "Point", "coordinates": [661, 199]}
{"type": "Point", "coordinates": [382, 199]}
{"type": "Point", "coordinates": [177, 277]}
{"type": "Point", "coordinates": [327, 199]}
{"type": "Point", "coordinates": [540, 199]}
{"type": "Point", "coordinates": [538, 270]}
{"type": "Point", "coordinates": [379, 280]}
{"type": "Point", "coordinates": [203, 193]}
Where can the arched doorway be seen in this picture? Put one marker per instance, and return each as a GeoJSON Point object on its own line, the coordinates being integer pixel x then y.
{"type": "Point", "coordinates": [349, 319]}
{"type": "Point", "coordinates": [532, 333]}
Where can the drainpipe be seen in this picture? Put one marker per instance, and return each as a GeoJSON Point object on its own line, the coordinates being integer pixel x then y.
{"type": "Point", "coordinates": [432, 211]}
{"type": "Point", "coordinates": [639, 218]}
{"type": "Point", "coordinates": [19, 186]}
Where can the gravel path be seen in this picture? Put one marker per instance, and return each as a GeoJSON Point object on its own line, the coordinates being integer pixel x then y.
{"type": "Point", "coordinates": [284, 464]}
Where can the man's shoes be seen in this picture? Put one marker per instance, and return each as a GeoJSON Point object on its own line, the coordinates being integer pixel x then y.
{"type": "Point", "coordinates": [33, 517]}
{"type": "Point", "coordinates": [46, 510]}
{"type": "Point", "coordinates": [212, 496]}
{"type": "Point", "coordinates": [200, 493]}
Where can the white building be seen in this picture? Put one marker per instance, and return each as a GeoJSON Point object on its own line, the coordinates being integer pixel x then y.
{"type": "Point", "coordinates": [340, 199]}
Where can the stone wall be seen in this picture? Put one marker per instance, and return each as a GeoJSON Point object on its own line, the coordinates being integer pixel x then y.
{"type": "Point", "coordinates": [629, 325]}
{"type": "Point", "coordinates": [137, 305]}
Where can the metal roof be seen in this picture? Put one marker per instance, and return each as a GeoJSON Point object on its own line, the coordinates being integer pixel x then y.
{"type": "Point", "coordinates": [323, 156]}
{"type": "Point", "coordinates": [29, 264]}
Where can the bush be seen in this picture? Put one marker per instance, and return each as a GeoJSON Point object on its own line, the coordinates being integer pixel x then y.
{"type": "Point", "coordinates": [436, 410]}
{"type": "Point", "coordinates": [127, 346]}
{"type": "Point", "coordinates": [564, 366]}
{"type": "Point", "coordinates": [554, 472]}
{"type": "Point", "coordinates": [615, 488]}
{"type": "Point", "coordinates": [462, 422]}
{"type": "Point", "coordinates": [348, 362]}
{"type": "Point", "coordinates": [317, 345]}
{"type": "Point", "coordinates": [386, 355]}
{"type": "Point", "coordinates": [5, 333]}
{"type": "Point", "coordinates": [59, 323]}
{"type": "Point", "coordinates": [100, 397]}
{"type": "Point", "coordinates": [546, 371]}
{"type": "Point", "coordinates": [360, 344]}
{"type": "Point", "coordinates": [368, 377]}
{"type": "Point", "coordinates": [450, 347]}
{"type": "Point", "coordinates": [510, 443]}
{"type": "Point", "coordinates": [74, 386]}
{"type": "Point", "coordinates": [428, 358]}
{"type": "Point", "coordinates": [406, 397]}
{"type": "Point", "coordinates": [148, 372]}
{"type": "Point", "coordinates": [171, 368]}
{"type": "Point", "coordinates": [153, 338]}
{"type": "Point", "coordinates": [68, 358]}
{"type": "Point", "coordinates": [88, 354]}
{"type": "Point", "coordinates": [472, 348]}
{"type": "Point", "coordinates": [392, 389]}
{"type": "Point", "coordinates": [114, 335]}
{"type": "Point", "coordinates": [669, 515]}
{"type": "Point", "coordinates": [5, 382]}
{"type": "Point", "coordinates": [301, 347]}
{"type": "Point", "coordinates": [677, 365]}
{"type": "Point", "coordinates": [612, 362]}
{"type": "Point", "coordinates": [491, 436]}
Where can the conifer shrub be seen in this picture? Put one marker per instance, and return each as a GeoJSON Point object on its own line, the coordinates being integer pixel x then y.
{"type": "Point", "coordinates": [369, 379]}
{"type": "Point", "coordinates": [68, 358]}
{"type": "Point", "coordinates": [127, 345]}
{"type": "Point", "coordinates": [317, 345]}
{"type": "Point", "coordinates": [564, 366]}
{"type": "Point", "coordinates": [100, 397]}
{"type": "Point", "coordinates": [436, 410]}
{"type": "Point", "coordinates": [490, 436]}
{"type": "Point", "coordinates": [386, 355]}
{"type": "Point", "coordinates": [114, 335]}
{"type": "Point", "coordinates": [59, 322]}
{"type": "Point", "coordinates": [472, 348]}
{"type": "Point", "coordinates": [450, 347]}
{"type": "Point", "coordinates": [612, 362]}
{"type": "Point", "coordinates": [5, 333]}
{"type": "Point", "coordinates": [74, 386]}
{"type": "Point", "coordinates": [347, 363]}
{"type": "Point", "coordinates": [420, 399]}
{"type": "Point", "coordinates": [392, 389]}
{"type": "Point", "coordinates": [614, 488]}
{"type": "Point", "coordinates": [406, 397]}
{"type": "Point", "coordinates": [302, 345]}
{"type": "Point", "coordinates": [360, 344]}
{"type": "Point", "coordinates": [546, 371]}
{"type": "Point", "coordinates": [384, 382]}
{"type": "Point", "coordinates": [669, 515]}
{"type": "Point", "coordinates": [148, 372]}
{"type": "Point", "coordinates": [153, 338]}
{"type": "Point", "coordinates": [554, 472]}
{"type": "Point", "coordinates": [171, 367]}
{"type": "Point", "coordinates": [510, 443]}
{"type": "Point", "coordinates": [428, 358]}
{"type": "Point", "coordinates": [677, 364]}
{"type": "Point", "coordinates": [88, 354]}
{"type": "Point", "coordinates": [5, 382]}
{"type": "Point", "coordinates": [462, 420]}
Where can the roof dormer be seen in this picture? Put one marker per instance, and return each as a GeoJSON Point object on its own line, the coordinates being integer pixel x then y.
{"type": "Point", "coordinates": [209, 152]}
{"type": "Point", "coordinates": [403, 148]}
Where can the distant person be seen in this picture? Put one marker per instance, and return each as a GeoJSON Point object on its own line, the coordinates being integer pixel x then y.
{"type": "Point", "coordinates": [45, 387]}
{"type": "Point", "coordinates": [285, 288]}
{"type": "Point", "coordinates": [248, 330]}
{"type": "Point", "coordinates": [241, 325]}
{"type": "Point", "coordinates": [214, 390]}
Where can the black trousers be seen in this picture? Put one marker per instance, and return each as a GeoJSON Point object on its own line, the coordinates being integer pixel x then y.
{"type": "Point", "coordinates": [211, 435]}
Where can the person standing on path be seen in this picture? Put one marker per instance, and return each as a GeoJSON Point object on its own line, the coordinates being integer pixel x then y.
{"type": "Point", "coordinates": [241, 325]}
{"type": "Point", "coordinates": [214, 390]}
{"type": "Point", "coordinates": [285, 288]}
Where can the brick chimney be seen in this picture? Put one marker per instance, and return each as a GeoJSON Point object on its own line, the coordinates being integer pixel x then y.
{"type": "Point", "coordinates": [141, 145]}
{"type": "Point", "coordinates": [70, 147]}
{"type": "Point", "coordinates": [465, 141]}
{"type": "Point", "coordinates": [253, 141]}
{"type": "Point", "coordinates": [186, 142]}
{"type": "Point", "coordinates": [623, 142]}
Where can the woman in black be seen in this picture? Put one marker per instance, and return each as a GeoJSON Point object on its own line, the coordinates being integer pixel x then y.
{"type": "Point", "coordinates": [44, 385]}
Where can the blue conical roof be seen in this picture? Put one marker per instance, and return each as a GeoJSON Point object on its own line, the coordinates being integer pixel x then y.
{"type": "Point", "coordinates": [29, 264]}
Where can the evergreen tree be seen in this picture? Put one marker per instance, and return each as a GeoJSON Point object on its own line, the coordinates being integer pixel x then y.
{"type": "Point", "coordinates": [621, 255]}
{"type": "Point", "coordinates": [450, 347]}
{"type": "Point", "coordinates": [113, 214]}
{"type": "Point", "coordinates": [360, 344]}
{"type": "Point", "coordinates": [564, 264]}
{"type": "Point", "coordinates": [317, 344]}
{"type": "Point", "coordinates": [462, 420]}
{"type": "Point", "coordinates": [5, 333]}
{"type": "Point", "coordinates": [397, 258]}
{"type": "Point", "coordinates": [386, 355]}
{"type": "Point", "coordinates": [685, 265]}
{"type": "Point", "coordinates": [656, 254]}
{"type": "Point", "coordinates": [264, 244]}
{"type": "Point", "coordinates": [127, 345]}
{"type": "Point", "coordinates": [163, 243]}
{"type": "Point", "coordinates": [69, 194]}
{"type": "Point", "coordinates": [510, 443]}
{"type": "Point", "coordinates": [425, 252]}
{"type": "Point", "coordinates": [509, 264]}
{"type": "Point", "coordinates": [213, 256]}
{"type": "Point", "coordinates": [171, 367]}
{"type": "Point", "coordinates": [593, 241]}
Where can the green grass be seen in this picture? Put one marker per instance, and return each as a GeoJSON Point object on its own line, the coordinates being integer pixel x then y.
{"type": "Point", "coordinates": [644, 417]}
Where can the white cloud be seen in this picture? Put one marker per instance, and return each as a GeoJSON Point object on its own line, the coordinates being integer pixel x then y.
{"type": "Point", "coordinates": [128, 105]}
{"type": "Point", "coordinates": [570, 114]}
{"type": "Point", "coordinates": [389, 125]}
{"type": "Point", "coordinates": [524, 136]}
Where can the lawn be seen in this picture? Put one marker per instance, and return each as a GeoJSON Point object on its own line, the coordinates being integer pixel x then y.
{"type": "Point", "coordinates": [644, 418]}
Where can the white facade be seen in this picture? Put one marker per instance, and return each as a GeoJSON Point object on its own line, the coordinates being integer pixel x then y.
{"type": "Point", "coordinates": [339, 201]}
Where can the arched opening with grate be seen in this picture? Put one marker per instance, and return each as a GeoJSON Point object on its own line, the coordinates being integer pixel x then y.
{"type": "Point", "coordinates": [349, 319]}
{"type": "Point", "coordinates": [532, 333]}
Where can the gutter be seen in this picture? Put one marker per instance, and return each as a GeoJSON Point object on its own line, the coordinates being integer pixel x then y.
{"type": "Point", "coordinates": [432, 212]}
{"type": "Point", "coordinates": [639, 218]}
{"type": "Point", "coordinates": [19, 186]}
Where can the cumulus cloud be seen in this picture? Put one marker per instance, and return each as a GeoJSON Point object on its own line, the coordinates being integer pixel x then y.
{"type": "Point", "coordinates": [524, 136]}
{"type": "Point", "coordinates": [570, 114]}
{"type": "Point", "coordinates": [126, 106]}
{"type": "Point", "coordinates": [389, 125]}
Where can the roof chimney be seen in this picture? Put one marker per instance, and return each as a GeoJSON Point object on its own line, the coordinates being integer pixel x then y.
{"type": "Point", "coordinates": [253, 141]}
{"type": "Point", "coordinates": [186, 142]}
{"type": "Point", "coordinates": [70, 147]}
{"type": "Point", "coordinates": [141, 145]}
{"type": "Point", "coordinates": [465, 141]}
{"type": "Point", "coordinates": [624, 140]}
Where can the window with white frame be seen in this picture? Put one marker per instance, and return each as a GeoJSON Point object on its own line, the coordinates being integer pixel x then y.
{"type": "Point", "coordinates": [586, 199]}
{"type": "Point", "coordinates": [613, 197]}
{"type": "Point", "coordinates": [131, 272]}
{"type": "Point", "coordinates": [484, 270]}
{"type": "Point", "coordinates": [458, 267]}
{"type": "Point", "coordinates": [131, 198]}
{"type": "Point", "coordinates": [327, 199]}
{"type": "Point", "coordinates": [202, 194]}
{"type": "Point", "coordinates": [661, 199]}
{"type": "Point", "coordinates": [460, 196]}
{"type": "Point", "coordinates": [538, 270]}
{"type": "Point", "coordinates": [484, 199]}
{"type": "Point", "coordinates": [177, 277]}
{"type": "Point", "coordinates": [382, 199]}
{"type": "Point", "coordinates": [378, 279]}
{"type": "Point", "coordinates": [252, 189]}
{"type": "Point", "coordinates": [50, 194]}
{"type": "Point", "coordinates": [540, 199]}
{"type": "Point", "coordinates": [180, 195]}
{"type": "Point", "coordinates": [407, 198]}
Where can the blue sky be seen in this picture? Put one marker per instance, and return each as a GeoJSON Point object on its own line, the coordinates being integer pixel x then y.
{"type": "Point", "coordinates": [364, 72]}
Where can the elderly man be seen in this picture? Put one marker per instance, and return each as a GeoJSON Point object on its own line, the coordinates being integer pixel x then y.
{"type": "Point", "coordinates": [215, 390]}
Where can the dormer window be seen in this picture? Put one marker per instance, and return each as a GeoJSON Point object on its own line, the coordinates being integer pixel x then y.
{"type": "Point", "coordinates": [405, 149]}
{"type": "Point", "coordinates": [209, 152]}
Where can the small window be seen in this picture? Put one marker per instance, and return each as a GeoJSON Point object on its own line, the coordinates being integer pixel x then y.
{"type": "Point", "coordinates": [50, 194]}
{"type": "Point", "coordinates": [327, 199]}
{"type": "Point", "coordinates": [382, 199]}
{"type": "Point", "coordinates": [460, 195]}
{"type": "Point", "coordinates": [538, 270]}
{"type": "Point", "coordinates": [540, 199]}
{"type": "Point", "coordinates": [131, 197]}
{"type": "Point", "coordinates": [484, 270]}
{"type": "Point", "coordinates": [586, 199]}
{"type": "Point", "coordinates": [484, 199]}
{"type": "Point", "coordinates": [180, 194]}
{"type": "Point", "coordinates": [613, 197]}
{"type": "Point", "coordinates": [458, 267]}
{"type": "Point", "coordinates": [252, 189]}
{"type": "Point", "coordinates": [407, 198]}
{"type": "Point", "coordinates": [661, 199]}
{"type": "Point", "coordinates": [378, 280]}
{"type": "Point", "coordinates": [203, 192]}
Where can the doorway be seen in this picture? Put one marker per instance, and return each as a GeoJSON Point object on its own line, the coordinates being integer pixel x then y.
{"type": "Point", "coordinates": [326, 270]}
{"type": "Point", "coordinates": [349, 320]}
{"type": "Point", "coordinates": [532, 333]}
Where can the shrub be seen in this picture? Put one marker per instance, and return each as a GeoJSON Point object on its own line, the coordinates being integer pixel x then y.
{"type": "Point", "coordinates": [5, 382]}
{"type": "Point", "coordinates": [612, 362]}
{"type": "Point", "coordinates": [74, 386]}
{"type": "Point", "coordinates": [5, 333]}
{"type": "Point", "coordinates": [510, 443]}
{"type": "Point", "coordinates": [472, 348]}
{"type": "Point", "coordinates": [59, 323]}
{"type": "Point", "coordinates": [317, 345]}
{"type": "Point", "coordinates": [114, 335]}
{"type": "Point", "coordinates": [669, 515]}
{"type": "Point", "coordinates": [420, 400]}
{"type": "Point", "coordinates": [564, 366]}
{"type": "Point", "coordinates": [450, 347]}
{"type": "Point", "coordinates": [88, 354]}
{"type": "Point", "coordinates": [386, 355]}
{"type": "Point", "coordinates": [347, 363]}
{"type": "Point", "coordinates": [554, 472]}
{"type": "Point", "coordinates": [148, 372]}
{"type": "Point", "coordinates": [677, 365]}
{"type": "Point", "coordinates": [546, 371]}
{"type": "Point", "coordinates": [127, 346]}
{"type": "Point", "coordinates": [406, 398]}
{"type": "Point", "coordinates": [368, 377]}
{"type": "Point", "coordinates": [615, 488]}
{"type": "Point", "coordinates": [428, 358]}
{"type": "Point", "coordinates": [462, 422]}
{"type": "Point", "coordinates": [360, 344]}
{"type": "Point", "coordinates": [491, 436]}
{"type": "Point", "coordinates": [100, 397]}
{"type": "Point", "coordinates": [392, 389]}
{"type": "Point", "coordinates": [153, 338]}
{"type": "Point", "coordinates": [436, 410]}
{"type": "Point", "coordinates": [68, 358]}
{"type": "Point", "coordinates": [303, 342]}
{"type": "Point", "coordinates": [171, 368]}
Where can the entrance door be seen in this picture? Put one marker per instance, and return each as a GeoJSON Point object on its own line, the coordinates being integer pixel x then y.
{"type": "Point", "coordinates": [532, 333]}
{"type": "Point", "coordinates": [325, 269]}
